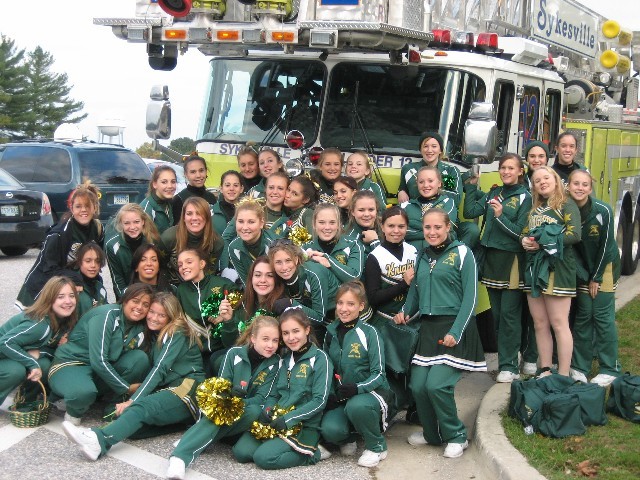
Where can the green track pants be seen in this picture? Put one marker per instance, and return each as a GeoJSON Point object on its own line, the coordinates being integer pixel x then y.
{"type": "Point", "coordinates": [205, 432]}
{"type": "Point", "coordinates": [13, 373]}
{"type": "Point", "coordinates": [506, 308]}
{"type": "Point", "coordinates": [595, 323]}
{"type": "Point", "coordinates": [274, 454]}
{"type": "Point", "coordinates": [362, 413]}
{"type": "Point", "coordinates": [433, 390]}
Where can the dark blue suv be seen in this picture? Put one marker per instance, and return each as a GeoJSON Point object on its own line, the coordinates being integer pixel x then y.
{"type": "Point", "coordinates": [57, 167]}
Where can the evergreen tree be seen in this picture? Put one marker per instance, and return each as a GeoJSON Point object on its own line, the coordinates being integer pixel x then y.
{"type": "Point", "coordinates": [48, 102]}
{"type": "Point", "coordinates": [12, 88]}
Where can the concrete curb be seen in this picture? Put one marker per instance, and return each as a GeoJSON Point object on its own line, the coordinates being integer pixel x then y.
{"type": "Point", "coordinates": [501, 459]}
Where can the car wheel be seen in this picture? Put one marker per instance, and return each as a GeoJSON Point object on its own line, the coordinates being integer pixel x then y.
{"type": "Point", "coordinates": [14, 251]}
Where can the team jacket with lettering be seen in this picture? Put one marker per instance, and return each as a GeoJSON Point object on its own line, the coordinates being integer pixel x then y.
{"type": "Point", "coordinates": [305, 384]}
{"type": "Point", "coordinates": [389, 279]}
{"type": "Point", "coordinates": [598, 248]}
{"type": "Point", "coordinates": [99, 339]}
{"type": "Point", "coordinates": [346, 258]}
{"type": "Point", "coordinates": [174, 361]}
{"type": "Point", "coordinates": [409, 179]}
{"type": "Point", "coordinates": [503, 232]}
{"type": "Point", "coordinates": [236, 368]}
{"type": "Point", "coordinates": [446, 285]}
{"type": "Point", "coordinates": [360, 358]}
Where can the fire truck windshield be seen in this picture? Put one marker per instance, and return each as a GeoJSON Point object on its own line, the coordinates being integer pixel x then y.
{"type": "Point", "coordinates": [370, 106]}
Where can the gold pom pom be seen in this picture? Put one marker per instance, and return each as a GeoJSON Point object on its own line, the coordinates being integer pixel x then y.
{"type": "Point", "coordinates": [216, 402]}
{"type": "Point", "coordinates": [235, 299]}
{"type": "Point", "coordinates": [299, 236]}
{"type": "Point", "coordinates": [264, 432]}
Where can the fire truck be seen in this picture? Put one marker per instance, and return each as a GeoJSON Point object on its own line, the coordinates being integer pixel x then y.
{"type": "Point", "coordinates": [371, 75]}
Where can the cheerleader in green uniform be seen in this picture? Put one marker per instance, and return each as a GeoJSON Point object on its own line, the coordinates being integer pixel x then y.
{"type": "Point", "coordinates": [146, 268]}
{"type": "Point", "coordinates": [269, 161]}
{"type": "Point", "coordinates": [329, 168]}
{"type": "Point", "coordinates": [430, 195]}
{"type": "Point", "coordinates": [364, 222]}
{"type": "Point", "coordinates": [263, 290]}
{"type": "Point", "coordinates": [194, 231]}
{"type": "Point", "coordinates": [443, 295]}
{"type": "Point", "coordinates": [303, 382]}
{"type": "Point", "coordinates": [505, 209]}
{"type": "Point", "coordinates": [550, 278]}
{"type": "Point", "coordinates": [342, 256]}
{"type": "Point", "coordinates": [536, 155]}
{"type": "Point", "coordinates": [299, 201]}
{"type": "Point", "coordinates": [91, 292]}
{"type": "Point", "coordinates": [274, 216]}
{"type": "Point", "coordinates": [131, 228]}
{"type": "Point", "coordinates": [231, 189]}
{"type": "Point", "coordinates": [195, 171]}
{"type": "Point", "coordinates": [252, 240]}
{"type": "Point", "coordinates": [362, 400]}
{"type": "Point", "coordinates": [359, 168]}
{"type": "Point", "coordinates": [567, 150]}
{"type": "Point", "coordinates": [76, 227]}
{"type": "Point", "coordinates": [248, 166]}
{"type": "Point", "coordinates": [158, 203]}
{"type": "Point", "coordinates": [595, 322]}
{"type": "Point", "coordinates": [251, 367]}
{"type": "Point", "coordinates": [194, 293]}
{"type": "Point", "coordinates": [28, 340]}
{"type": "Point", "coordinates": [308, 285]}
{"type": "Point", "coordinates": [166, 397]}
{"type": "Point", "coordinates": [344, 188]}
{"type": "Point", "coordinates": [102, 354]}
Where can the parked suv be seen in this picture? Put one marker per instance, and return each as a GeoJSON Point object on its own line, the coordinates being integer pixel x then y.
{"type": "Point", "coordinates": [57, 167]}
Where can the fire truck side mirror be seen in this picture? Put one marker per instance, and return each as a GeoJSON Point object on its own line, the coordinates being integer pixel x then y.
{"type": "Point", "coordinates": [480, 133]}
{"type": "Point", "coordinates": [158, 121]}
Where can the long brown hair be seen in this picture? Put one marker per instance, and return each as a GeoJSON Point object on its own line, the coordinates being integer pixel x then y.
{"type": "Point", "coordinates": [88, 191]}
{"type": "Point", "coordinates": [297, 314]}
{"type": "Point", "coordinates": [42, 306]}
{"type": "Point", "coordinates": [359, 195]}
{"type": "Point", "coordinates": [209, 235]}
{"type": "Point", "coordinates": [250, 296]}
{"type": "Point", "coordinates": [149, 229]}
{"type": "Point", "coordinates": [177, 319]}
{"type": "Point", "coordinates": [155, 175]}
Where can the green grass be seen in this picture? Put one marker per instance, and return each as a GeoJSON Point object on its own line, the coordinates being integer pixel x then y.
{"type": "Point", "coordinates": [610, 452]}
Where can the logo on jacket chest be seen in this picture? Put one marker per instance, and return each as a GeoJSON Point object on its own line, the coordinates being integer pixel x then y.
{"type": "Point", "coordinates": [594, 231]}
{"type": "Point", "coordinates": [354, 352]}
{"type": "Point", "coordinates": [260, 378]}
{"type": "Point", "coordinates": [451, 259]}
{"type": "Point", "coordinates": [302, 371]}
{"type": "Point", "coordinates": [342, 258]}
{"type": "Point", "coordinates": [512, 203]}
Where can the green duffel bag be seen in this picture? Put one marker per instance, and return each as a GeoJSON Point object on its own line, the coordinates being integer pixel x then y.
{"type": "Point", "coordinates": [560, 416]}
{"type": "Point", "coordinates": [591, 398]}
{"type": "Point", "coordinates": [400, 343]}
{"type": "Point", "coordinates": [624, 397]}
{"type": "Point", "coordinates": [526, 401]}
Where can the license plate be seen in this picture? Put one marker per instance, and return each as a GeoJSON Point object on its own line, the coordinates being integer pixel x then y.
{"type": "Point", "coordinates": [121, 198]}
{"type": "Point", "coordinates": [10, 211]}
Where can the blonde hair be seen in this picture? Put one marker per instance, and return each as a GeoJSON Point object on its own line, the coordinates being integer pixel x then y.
{"type": "Point", "coordinates": [252, 330]}
{"type": "Point", "coordinates": [432, 168]}
{"type": "Point", "coordinates": [149, 230]}
{"type": "Point", "coordinates": [177, 319]}
{"type": "Point", "coordinates": [365, 156]}
{"type": "Point", "coordinates": [251, 206]}
{"type": "Point", "coordinates": [209, 235]}
{"type": "Point", "coordinates": [42, 306]}
{"type": "Point", "coordinates": [327, 206]}
{"type": "Point", "coordinates": [557, 199]}
{"type": "Point", "coordinates": [287, 246]}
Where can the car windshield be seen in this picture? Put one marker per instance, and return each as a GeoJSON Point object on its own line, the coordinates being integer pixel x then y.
{"type": "Point", "coordinates": [385, 108]}
{"type": "Point", "coordinates": [259, 100]}
{"type": "Point", "coordinates": [7, 181]}
{"type": "Point", "coordinates": [112, 167]}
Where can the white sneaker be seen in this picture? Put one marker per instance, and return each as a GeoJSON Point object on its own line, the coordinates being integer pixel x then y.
{"type": "Point", "coordinates": [603, 379]}
{"type": "Point", "coordinates": [455, 450]}
{"type": "Point", "coordinates": [578, 376]}
{"type": "Point", "coordinates": [529, 368]}
{"type": "Point", "coordinates": [324, 453]}
{"type": "Point", "coordinates": [371, 459]}
{"type": "Point", "coordinates": [416, 439]}
{"type": "Point", "coordinates": [85, 438]}
{"type": "Point", "coordinates": [507, 377]}
{"type": "Point", "coordinates": [176, 468]}
{"type": "Point", "coordinates": [349, 449]}
{"type": "Point", "coordinates": [73, 420]}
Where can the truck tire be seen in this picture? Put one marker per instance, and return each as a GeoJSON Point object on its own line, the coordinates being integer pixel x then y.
{"type": "Point", "coordinates": [14, 251]}
{"type": "Point", "coordinates": [632, 248]}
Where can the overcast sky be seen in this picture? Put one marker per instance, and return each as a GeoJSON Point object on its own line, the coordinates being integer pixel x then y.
{"type": "Point", "coordinates": [113, 78]}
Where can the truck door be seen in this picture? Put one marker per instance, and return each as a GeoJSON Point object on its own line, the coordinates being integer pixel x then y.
{"type": "Point", "coordinates": [504, 94]}
{"type": "Point", "coordinates": [529, 113]}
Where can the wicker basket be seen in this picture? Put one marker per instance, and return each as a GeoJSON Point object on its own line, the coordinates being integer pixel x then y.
{"type": "Point", "coordinates": [32, 418]}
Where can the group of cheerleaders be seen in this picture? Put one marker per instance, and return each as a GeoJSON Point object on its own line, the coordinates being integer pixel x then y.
{"type": "Point", "coordinates": [326, 311]}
